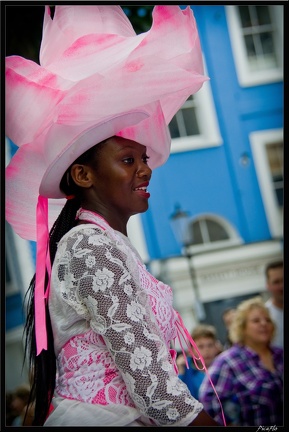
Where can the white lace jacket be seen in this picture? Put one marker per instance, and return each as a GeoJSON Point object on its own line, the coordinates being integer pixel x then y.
{"type": "Point", "coordinates": [112, 323]}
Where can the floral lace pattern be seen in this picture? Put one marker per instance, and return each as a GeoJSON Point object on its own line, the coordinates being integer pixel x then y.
{"type": "Point", "coordinates": [114, 322]}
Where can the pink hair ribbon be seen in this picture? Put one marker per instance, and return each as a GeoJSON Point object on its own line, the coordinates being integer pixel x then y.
{"type": "Point", "coordinates": [42, 264]}
{"type": "Point", "coordinates": [183, 333]}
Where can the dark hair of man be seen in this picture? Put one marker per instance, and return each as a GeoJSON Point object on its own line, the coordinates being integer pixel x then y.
{"type": "Point", "coordinates": [43, 366]}
{"type": "Point", "coordinates": [273, 265]}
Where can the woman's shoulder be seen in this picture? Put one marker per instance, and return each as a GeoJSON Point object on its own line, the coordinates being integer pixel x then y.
{"type": "Point", "coordinates": [232, 355]}
{"type": "Point", "coordinates": [85, 230]}
{"type": "Point", "coordinates": [277, 349]}
{"type": "Point", "coordinates": [82, 236]}
{"type": "Point", "coordinates": [234, 351]}
{"type": "Point", "coordinates": [88, 236]}
{"type": "Point", "coordinates": [278, 352]}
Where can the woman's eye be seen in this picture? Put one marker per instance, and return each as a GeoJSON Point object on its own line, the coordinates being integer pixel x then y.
{"type": "Point", "coordinates": [129, 160]}
{"type": "Point", "coordinates": [145, 159]}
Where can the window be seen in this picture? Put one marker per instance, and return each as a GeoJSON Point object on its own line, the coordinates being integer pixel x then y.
{"type": "Point", "coordinates": [275, 159]}
{"type": "Point", "coordinates": [195, 124]}
{"type": "Point", "coordinates": [185, 122]}
{"type": "Point", "coordinates": [210, 232]}
{"type": "Point", "coordinates": [257, 40]}
{"type": "Point", "coordinates": [267, 149]}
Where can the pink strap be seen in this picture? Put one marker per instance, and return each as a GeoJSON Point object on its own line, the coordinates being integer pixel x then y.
{"type": "Point", "coordinates": [173, 353]}
{"type": "Point", "coordinates": [42, 263]}
{"type": "Point", "coordinates": [182, 332]}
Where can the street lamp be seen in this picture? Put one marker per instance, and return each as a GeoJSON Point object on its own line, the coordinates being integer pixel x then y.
{"type": "Point", "coordinates": [180, 223]}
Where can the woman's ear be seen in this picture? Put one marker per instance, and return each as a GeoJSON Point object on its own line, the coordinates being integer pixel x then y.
{"type": "Point", "coordinates": [81, 175]}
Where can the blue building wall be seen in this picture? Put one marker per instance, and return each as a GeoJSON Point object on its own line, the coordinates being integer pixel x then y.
{"type": "Point", "coordinates": [213, 180]}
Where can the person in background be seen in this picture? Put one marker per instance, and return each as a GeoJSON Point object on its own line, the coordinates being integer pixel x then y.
{"type": "Point", "coordinates": [10, 414]}
{"type": "Point", "coordinates": [99, 327]}
{"type": "Point", "coordinates": [227, 316]}
{"type": "Point", "coordinates": [19, 402]}
{"type": "Point", "coordinates": [274, 273]}
{"type": "Point", "coordinates": [205, 337]}
{"type": "Point", "coordinates": [248, 377]}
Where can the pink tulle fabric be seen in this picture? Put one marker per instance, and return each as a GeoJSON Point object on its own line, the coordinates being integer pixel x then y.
{"type": "Point", "coordinates": [93, 69]}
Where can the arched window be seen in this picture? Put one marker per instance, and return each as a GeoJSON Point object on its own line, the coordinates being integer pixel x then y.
{"type": "Point", "coordinates": [209, 232]}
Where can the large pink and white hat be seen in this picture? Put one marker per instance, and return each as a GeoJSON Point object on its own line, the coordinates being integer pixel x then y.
{"type": "Point", "coordinates": [96, 79]}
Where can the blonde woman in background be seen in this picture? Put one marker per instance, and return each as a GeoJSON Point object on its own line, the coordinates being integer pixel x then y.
{"type": "Point", "coordinates": [248, 377]}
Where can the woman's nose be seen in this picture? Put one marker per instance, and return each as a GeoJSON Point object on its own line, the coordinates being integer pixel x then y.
{"type": "Point", "coordinates": [144, 170]}
{"type": "Point", "coordinates": [264, 321]}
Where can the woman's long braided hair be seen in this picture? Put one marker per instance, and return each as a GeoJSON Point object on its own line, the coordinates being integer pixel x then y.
{"type": "Point", "coordinates": [43, 366]}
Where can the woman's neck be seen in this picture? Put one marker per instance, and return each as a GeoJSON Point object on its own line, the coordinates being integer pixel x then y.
{"type": "Point", "coordinates": [259, 348]}
{"type": "Point", "coordinates": [265, 354]}
{"type": "Point", "coordinates": [113, 220]}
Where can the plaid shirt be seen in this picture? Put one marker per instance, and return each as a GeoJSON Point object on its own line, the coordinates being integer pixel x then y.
{"type": "Point", "coordinates": [242, 382]}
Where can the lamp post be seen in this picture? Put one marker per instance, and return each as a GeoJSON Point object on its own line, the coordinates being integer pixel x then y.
{"type": "Point", "coordinates": [180, 223]}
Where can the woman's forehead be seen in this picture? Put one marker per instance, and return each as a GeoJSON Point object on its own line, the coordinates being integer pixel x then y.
{"type": "Point", "coordinates": [258, 310]}
{"type": "Point", "coordinates": [120, 143]}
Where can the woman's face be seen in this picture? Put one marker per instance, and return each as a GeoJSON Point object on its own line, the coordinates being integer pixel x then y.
{"type": "Point", "coordinates": [258, 328]}
{"type": "Point", "coordinates": [120, 178]}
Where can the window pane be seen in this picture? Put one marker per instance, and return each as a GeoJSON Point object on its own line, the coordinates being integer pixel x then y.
{"type": "Point", "coordinates": [190, 98]}
{"type": "Point", "coordinates": [275, 159]}
{"type": "Point", "coordinates": [250, 47]}
{"type": "Point", "coordinates": [197, 235]}
{"type": "Point", "coordinates": [191, 122]}
{"type": "Point", "coordinates": [174, 130]}
{"type": "Point", "coordinates": [267, 43]}
{"type": "Point", "coordinates": [263, 15]}
{"type": "Point", "coordinates": [278, 184]}
{"type": "Point", "coordinates": [216, 231]}
{"type": "Point", "coordinates": [245, 16]}
{"type": "Point", "coordinates": [185, 122]}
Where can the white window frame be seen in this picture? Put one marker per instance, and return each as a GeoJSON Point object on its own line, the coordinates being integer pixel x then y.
{"type": "Point", "coordinates": [207, 121]}
{"type": "Point", "coordinates": [246, 77]}
{"type": "Point", "coordinates": [258, 141]}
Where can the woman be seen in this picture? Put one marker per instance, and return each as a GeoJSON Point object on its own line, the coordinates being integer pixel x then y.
{"type": "Point", "coordinates": [248, 377]}
{"type": "Point", "coordinates": [100, 345]}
